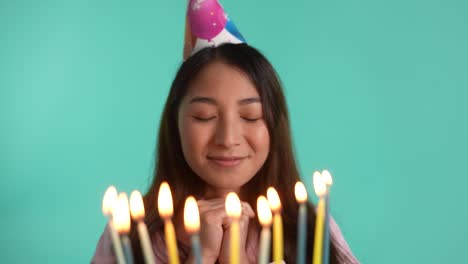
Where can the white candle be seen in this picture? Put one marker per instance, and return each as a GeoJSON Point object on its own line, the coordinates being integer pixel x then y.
{"type": "Point", "coordinates": [265, 218]}
{"type": "Point", "coordinates": [137, 211]}
{"type": "Point", "coordinates": [108, 203]}
{"type": "Point", "coordinates": [301, 198]}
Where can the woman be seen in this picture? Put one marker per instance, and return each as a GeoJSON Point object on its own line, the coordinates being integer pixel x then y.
{"type": "Point", "coordinates": [224, 128]}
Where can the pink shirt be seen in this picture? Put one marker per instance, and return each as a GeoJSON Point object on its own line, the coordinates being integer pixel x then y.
{"type": "Point", "coordinates": [104, 252]}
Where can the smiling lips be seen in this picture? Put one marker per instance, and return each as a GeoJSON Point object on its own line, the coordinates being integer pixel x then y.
{"type": "Point", "coordinates": [226, 161]}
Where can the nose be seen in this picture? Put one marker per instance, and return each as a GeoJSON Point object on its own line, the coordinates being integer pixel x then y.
{"type": "Point", "coordinates": [228, 132]}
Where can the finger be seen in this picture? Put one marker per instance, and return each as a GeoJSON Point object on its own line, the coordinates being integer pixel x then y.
{"type": "Point", "coordinates": [245, 218]}
{"type": "Point", "coordinates": [213, 202]}
{"type": "Point", "coordinates": [210, 205]}
{"type": "Point", "coordinates": [211, 208]}
{"type": "Point", "coordinates": [213, 217]}
{"type": "Point", "coordinates": [226, 222]}
{"type": "Point", "coordinates": [247, 210]}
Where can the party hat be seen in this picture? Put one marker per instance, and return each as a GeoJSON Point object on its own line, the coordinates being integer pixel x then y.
{"type": "Point", "coordinates": [208, 25]}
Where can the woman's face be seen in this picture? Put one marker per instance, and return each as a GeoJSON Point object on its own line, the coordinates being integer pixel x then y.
{"type": "Point", "coordinates": [224, 136]}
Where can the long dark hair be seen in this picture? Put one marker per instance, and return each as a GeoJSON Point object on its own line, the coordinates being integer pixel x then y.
{"type": "Point", "coordinates": [279, 170]}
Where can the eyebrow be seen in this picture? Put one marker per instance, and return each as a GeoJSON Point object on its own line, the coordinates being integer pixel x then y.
{"type": "Point", "coordinates": [249, 100]}
{"type": "Point", "coordinates": [211, 101]}
{"type": "Point", "coordinates": [199, 99]}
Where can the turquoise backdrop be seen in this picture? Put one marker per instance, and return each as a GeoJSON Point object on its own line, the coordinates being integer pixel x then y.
{"type": "Point", "coordinates": [377, 92]}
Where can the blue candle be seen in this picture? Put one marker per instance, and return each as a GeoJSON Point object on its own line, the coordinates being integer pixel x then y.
{"type": "Point", "coordinates": [327, 178]}
{"type": "Point", "coordinates": [127, 247]}
{"type": "Point", "coordinates": [301, 233]}
{"type": "Point", "coordinates": [326, 235]}
{"type": "Point", "coordinates": [196, 249]}
{"type": "Point", "coordinates": [301, 197]}
{"type": "Point", "coordinates": [121, 218]}
{"type": "Point", "coordinates": [192, 226]}
{"type": "Point", "coordinates": [117, 245]}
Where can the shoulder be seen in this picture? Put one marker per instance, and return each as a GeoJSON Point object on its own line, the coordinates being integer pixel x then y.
{"type": "Point", "coordinates": [342, 246]}
{"type": "Point", "coordinates": [103, 252]}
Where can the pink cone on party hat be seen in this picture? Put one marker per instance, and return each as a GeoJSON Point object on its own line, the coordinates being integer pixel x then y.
{"type": "Point", "coordinates": [208, 25]}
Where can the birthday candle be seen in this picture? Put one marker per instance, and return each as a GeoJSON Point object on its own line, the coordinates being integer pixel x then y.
{"type": "Point", "coordinates": [192, 226]}
{"type": "Point", "coordinates": [165, 209]}
{"type": "Point", "coordinates": [301, 198]}
{"type": "Point", "coordinates": [108, 203]}
{"type": "Point", "coordinates": [121, 218]}
{"type": "Point", "coordinates": [275, 205]}
{"type": "Point", "coordinates": [320, 189]}
{"type": "Point", "coordinates": [234, 210]}
{"type": "Point", "coordinates": [327, 178]}
{"type": "Point", "coordinates": [137, 211]}
{"type": "Point", "coordinates": [264, 217]}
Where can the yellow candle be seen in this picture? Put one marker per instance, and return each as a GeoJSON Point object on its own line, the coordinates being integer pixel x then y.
{"type": "Point", "coordinates": [264, 217]}
{"type": "Point", "coordinates": [277, 238]}
{"type": "Point", "coordinates": [234, 210]}
{"type": "Point", "coordinates": [275, 205]}
{"type": "Point", "coordinates": [235, 249]}
{"type": "Point", "coordinates": [137, 210]}
{"type": "Point", "coordinates": [320, 190]}
{"type": "Point", "coordinates": [169, 232]}
{"type": "Point", "coordinates": [165, 209]}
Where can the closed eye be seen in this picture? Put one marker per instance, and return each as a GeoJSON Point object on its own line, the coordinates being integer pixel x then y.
{"type": "Point", "coordinates": [203, 119]}
{"type": "Point", "coordinates": [251, 119]}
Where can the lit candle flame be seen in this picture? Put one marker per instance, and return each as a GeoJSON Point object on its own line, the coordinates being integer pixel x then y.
{"type": "Point", "coordinates": [191, 216]}
{"type": "Point", "coordinates": [273, 200]}
{"type": "Point", "coordinates": [327, 178]}
{"type": "Point", "coordinates": [137, 209]}
{"type": "Point", "coordinates": [121, 215]}
{"type": "Point", "coordinates": [301, 192]}
{"type": "Point", "coordinates": [263, 211]}
{"type": "Point", "coordinates": [109, 200]}
{"type": "Point", "coordinates": [319, 184]}
{"type": "Point", "coordinates": [165, 206]}
{"type": "Point", "coordinates": [233, 205]}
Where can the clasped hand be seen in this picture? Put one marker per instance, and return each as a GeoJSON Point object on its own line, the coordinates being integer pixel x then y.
{"type": "Point", "coordinates": [215, 230]}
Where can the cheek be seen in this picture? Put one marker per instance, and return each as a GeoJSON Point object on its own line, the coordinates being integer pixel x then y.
{"type": "Point", "coordinates": [187, 137]}
{"type": "Point", "coordinates": [193, 138]}
{"type": "Point", "coordinates": [260, 140]}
